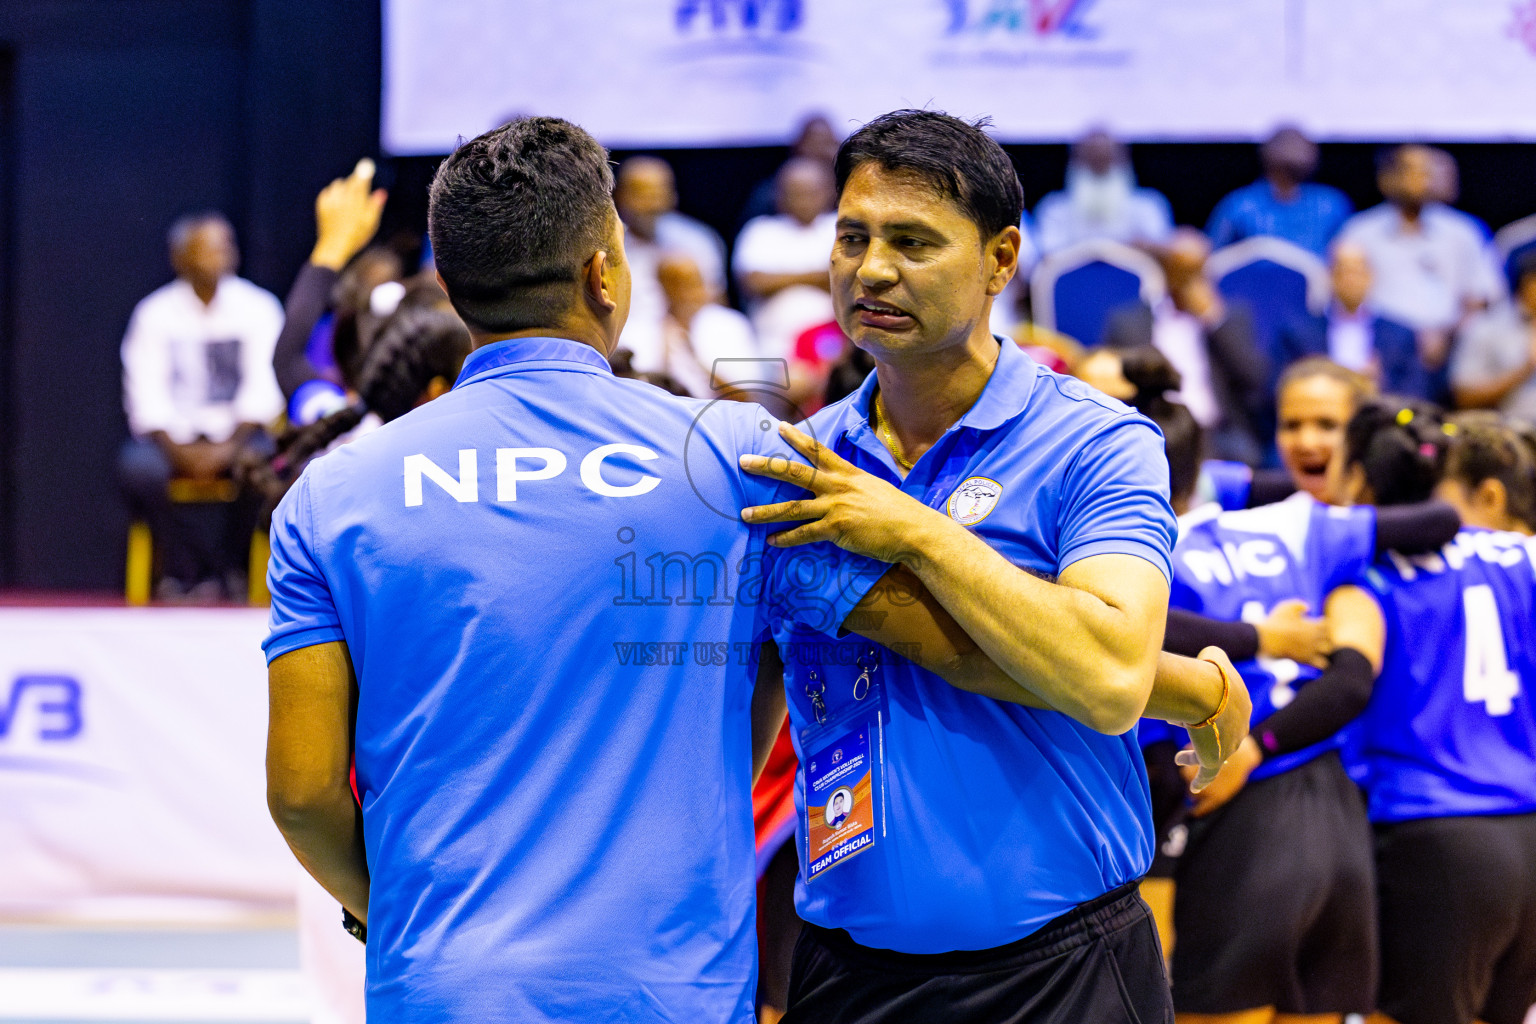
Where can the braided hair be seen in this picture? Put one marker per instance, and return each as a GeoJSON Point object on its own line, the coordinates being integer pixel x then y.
{"type": "Point", "coordinates": [1400, 445]}
{"type": "Point", "coordinates": [415, 346]}
{"type": "Point", "coordinates": [1155, 379]}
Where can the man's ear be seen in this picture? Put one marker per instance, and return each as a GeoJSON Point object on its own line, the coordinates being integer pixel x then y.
{"type": "Point", "coordinates": [1003, 255]}
{"type": "Point", "coordinates": [597, 282]}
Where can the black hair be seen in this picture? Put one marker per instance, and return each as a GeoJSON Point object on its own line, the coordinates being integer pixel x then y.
{"type": "Point", "coordinates": [1487, 449]}
{"type": "Point", "coordinates": [1154, 379]}
{"type": "Point", "coordinates": [415, 346]}
{"type": "Point", "coordinates": [956, 158]}
{"type": "Point", "coordinates": [1359, 385]}
{"type": "Point", "coordinates": [514, 215]}
{"type": "Point", "coordinates": [1400, 445]}
{"type": "Point", "coordinates": [182, 228]}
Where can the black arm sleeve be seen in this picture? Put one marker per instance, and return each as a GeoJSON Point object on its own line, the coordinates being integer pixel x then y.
{"type": "Point", "coordinates": [306, 303]}
{"type": "Point", "coordinates": [1269, 486]}
{"type": "Point", "coordinates": [1189, 633]}
{"type": "Point", "coordinates": [1322, 707]}
{"type": "Point", "coordinates": [1415, 528]}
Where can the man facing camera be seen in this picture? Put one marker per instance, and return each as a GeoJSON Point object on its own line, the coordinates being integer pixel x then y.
{"type": "Point", "coordinates": [1009, 821]}
{"type": "Point", "coordinates": [1353, 334]}
{"type": "Point", "coordinates": [198, 387]}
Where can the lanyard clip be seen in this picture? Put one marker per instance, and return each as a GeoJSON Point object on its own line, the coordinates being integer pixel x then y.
{"type": "Point", "coordinates": [814, 689]}
{"type": "Point", "coordinates": [867, 664]}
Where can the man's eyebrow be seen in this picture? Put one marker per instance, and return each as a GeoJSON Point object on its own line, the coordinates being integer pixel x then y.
{"type": "Point", "coordinates": [901, 225]}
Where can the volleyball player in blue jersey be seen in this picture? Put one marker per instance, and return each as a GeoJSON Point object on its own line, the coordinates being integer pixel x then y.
{"type": "Point", "coordinates": [1450, 734]}
{"type": "Point", "coordinates": [1312, 952]}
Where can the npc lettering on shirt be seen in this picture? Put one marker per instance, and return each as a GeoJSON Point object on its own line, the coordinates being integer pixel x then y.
{"type": "Point", "coordinates": [528, 465]}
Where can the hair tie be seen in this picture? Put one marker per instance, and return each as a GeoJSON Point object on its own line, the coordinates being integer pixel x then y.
{"type": "Point", "coordinates": [1427, 450]}
{"type": "Point", "coordinates": [1404, 417]}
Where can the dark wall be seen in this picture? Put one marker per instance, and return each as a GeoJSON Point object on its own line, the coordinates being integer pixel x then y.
{"type": "Point", "coordinates": [123, 114]}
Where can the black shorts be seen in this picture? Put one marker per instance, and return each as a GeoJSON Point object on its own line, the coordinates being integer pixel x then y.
{"type": "Point", "coordinates": [1276, 901]}
{"type": "Point", "coordinates": [1170, 807]}
{"type": "Point", "coordinates": [1458, 919]}
{"type": "Point", "coordinates": [1100, 962]}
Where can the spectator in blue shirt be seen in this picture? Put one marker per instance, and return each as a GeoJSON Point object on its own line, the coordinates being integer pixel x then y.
{"type": "Point", "coordinates": [1353, 334]}
{"type": "Point", "coordinates": [1283, 203]}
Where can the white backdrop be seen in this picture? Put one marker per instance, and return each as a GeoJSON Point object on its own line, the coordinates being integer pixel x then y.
{"type": "Point", "coordinates": [708, 72]}
{"type": "Point", "coordinates": [132, 745]}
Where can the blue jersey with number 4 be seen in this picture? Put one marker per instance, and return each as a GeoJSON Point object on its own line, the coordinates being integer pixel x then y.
{"type": "Point", "coordinates": [1450, 729]}
{"type": "Point", "coordinates": [1239, 565]}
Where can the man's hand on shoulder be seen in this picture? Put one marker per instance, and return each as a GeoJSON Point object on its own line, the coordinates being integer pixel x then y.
{"type": "Point", "coordinates": [853, 509]}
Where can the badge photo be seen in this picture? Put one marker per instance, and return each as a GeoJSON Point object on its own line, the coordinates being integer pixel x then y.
{"type": "Point", "coordinates": [839, 805]}
{"type": "Point", "coordinates": [974, 500]}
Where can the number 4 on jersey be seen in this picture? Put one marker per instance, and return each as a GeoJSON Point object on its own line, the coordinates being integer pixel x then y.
{"type": "Point", "coordinates": [1486, 678]}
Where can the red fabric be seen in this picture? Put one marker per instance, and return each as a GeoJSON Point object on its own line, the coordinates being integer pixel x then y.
{"type": "Point", "coordinates": [773, 798]}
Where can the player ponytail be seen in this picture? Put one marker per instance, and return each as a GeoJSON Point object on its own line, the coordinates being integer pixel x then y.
{"type": "Point", "coordinates": [414, 348]}
{"type": "Point", "coordinates": [1399, 446]}
{"type": "Point", "coordinates": [1155, 380]}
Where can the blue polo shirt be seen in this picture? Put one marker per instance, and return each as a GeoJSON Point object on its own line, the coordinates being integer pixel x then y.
{"type": "Point", "coordinates": [1310, 219]}
{"type": "Point", "coordinates": [990, 818]}
{"type": "Point", "coordinates": [551, 605]}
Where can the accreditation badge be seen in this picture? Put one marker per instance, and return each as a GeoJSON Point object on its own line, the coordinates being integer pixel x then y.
{"type": "Point", "coordinates": [843, 759]}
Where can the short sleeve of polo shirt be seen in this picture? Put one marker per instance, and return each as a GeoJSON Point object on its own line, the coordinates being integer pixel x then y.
{"type": "Point", "coordinates": [1115, 498]}
{"type": "Point", "coordinates": [303, 611]}
{"type": "Point", "coordinates": [814, 585]}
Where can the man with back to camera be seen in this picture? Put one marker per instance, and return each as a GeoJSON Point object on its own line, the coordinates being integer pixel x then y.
{"type": "Point", "coordinates": [998, 880]}
{"type": "Point", "coordinates": [537, 475]}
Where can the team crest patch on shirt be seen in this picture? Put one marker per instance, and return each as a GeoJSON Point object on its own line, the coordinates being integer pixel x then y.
{"type": "Point", "coordinates": [974, 500]}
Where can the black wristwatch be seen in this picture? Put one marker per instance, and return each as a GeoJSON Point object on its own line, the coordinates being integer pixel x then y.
{"type": "Point", "coordinates": [354, 927]}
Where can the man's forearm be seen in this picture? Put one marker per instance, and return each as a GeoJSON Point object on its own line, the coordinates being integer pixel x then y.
{"type": "Point", "coordinates": [1071, 648]}
{"type": "Point", "coordinates": [326, 835]}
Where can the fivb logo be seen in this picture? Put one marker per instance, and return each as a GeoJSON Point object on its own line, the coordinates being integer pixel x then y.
{"type": "Point", "coordinates": [525, 465]}
{"type": "Point", "coordinates": [54, 705]}
{"type": "Point", "coordinates": [749, 15]}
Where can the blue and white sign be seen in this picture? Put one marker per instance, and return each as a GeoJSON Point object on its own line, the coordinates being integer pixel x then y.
{"type": "Point", "coordinates": [724, 72]}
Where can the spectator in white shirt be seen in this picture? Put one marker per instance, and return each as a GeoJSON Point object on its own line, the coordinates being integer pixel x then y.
{"type": "Point", "coordinates": [1101, 200]}
{"type": "Point", "coordinates": [645, 192]}
{"type": "Point", "coordinates": [703, 341]}
{"type": "Point", "coordinates": [1495, 362]}
{"type": "Point", "coordinates": [782, 261]}
{"type": "Point", "coordinates": [1432, 263]}
{"type": "Point", "coordinates": [198, 387]}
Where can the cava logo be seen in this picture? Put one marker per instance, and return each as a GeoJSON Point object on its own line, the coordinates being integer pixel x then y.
{"type": "Point", "coordinates": [1523, 27]}
{"type": "Point", "coordinates": [1038, 18]}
